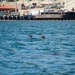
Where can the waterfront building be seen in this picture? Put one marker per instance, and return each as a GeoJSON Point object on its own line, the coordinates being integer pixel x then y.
{"type": "Point", "coordinates": [70, 4]}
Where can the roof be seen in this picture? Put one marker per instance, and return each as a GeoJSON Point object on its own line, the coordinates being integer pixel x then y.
{"type": "Point", "coordinates": [6, 7]}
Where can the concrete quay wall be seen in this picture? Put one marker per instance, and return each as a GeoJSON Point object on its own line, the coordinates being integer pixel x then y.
{"type": "Point", "coordinates": [48, 16]}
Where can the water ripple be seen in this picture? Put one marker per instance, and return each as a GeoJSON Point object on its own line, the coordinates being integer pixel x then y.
{"type": "Point", "coordinates": [22, 55]}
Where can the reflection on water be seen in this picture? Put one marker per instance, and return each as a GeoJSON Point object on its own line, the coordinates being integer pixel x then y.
{"type": "Point", "coordinates": [22, 55]}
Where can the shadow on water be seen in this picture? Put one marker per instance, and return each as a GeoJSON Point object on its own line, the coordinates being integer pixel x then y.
{"type": "Point", "coordinates": [33, 40]}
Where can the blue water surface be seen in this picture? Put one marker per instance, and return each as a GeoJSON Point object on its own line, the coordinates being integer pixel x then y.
{"type": "Point", "coordinates": [22, 55]}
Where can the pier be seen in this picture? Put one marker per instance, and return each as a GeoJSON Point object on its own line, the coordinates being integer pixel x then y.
{"type": "Point", "coordinates": [50, 16]}
{"type": "Point", "coordinates": [26, 17]}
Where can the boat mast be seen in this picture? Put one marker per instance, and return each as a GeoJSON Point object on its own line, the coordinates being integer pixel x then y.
{"type": "Point", "coordinates": [15, 6]}
{"type": "Point", "coordinates": [66, 4]}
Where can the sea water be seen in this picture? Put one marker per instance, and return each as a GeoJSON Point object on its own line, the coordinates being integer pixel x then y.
{"type": "Point", "coordinates": [23, 55]}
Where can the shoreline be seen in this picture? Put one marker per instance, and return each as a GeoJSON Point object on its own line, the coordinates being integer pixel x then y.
{"type": "Point", "coordinates": [43, 16]}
